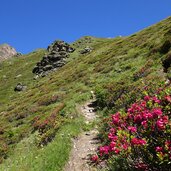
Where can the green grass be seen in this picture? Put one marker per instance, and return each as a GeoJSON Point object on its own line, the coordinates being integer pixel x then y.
{"type": "Point", "coordinates": [18, 66]}
{"type": "Point", "coordinates": [116, 69]}
{"type": "Point", "coordinates": [28, 157]}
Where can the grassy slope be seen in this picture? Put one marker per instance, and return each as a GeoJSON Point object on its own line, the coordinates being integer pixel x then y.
{"type": "Point", "coordinates": [113, 65]}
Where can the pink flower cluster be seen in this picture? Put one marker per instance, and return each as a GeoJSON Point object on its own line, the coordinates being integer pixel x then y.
{"type": "Point", "coordinates": [119, 141]}
{"type": "Point", "coordinates": [104, 150]}
{"type": "Point", "coordinates": [136, 141]}
{"type": "Point", "coordinates": [95, 158]}
{"type": "Point", "coordinates": [146, 127]}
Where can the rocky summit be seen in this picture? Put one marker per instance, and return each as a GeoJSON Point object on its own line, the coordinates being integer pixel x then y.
{"type": "Point", "coordinates": [6, 51]}
{"type": "Point", "coordinates": [58, 51]}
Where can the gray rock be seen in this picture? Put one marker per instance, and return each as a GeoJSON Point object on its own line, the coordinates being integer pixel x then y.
{"type": "Point", "coordinates": [70, 50]}
{"type": "Point", "coordinates": [47, 67]}
{"type": "Point", "coordinates": [86, 50]}
{"type": "Point", "coordinates": [38, 63]}
{"type": "Point", "coordinates": [18, 54]}
{"type": "Point", "coordinates": [35, 69]}
{"type": "Point", "coordinates": [58, 64]}
{"type": "Point", "coordinates": [20, 87]}
{"type": "Point", "coordinates": [36, 77]}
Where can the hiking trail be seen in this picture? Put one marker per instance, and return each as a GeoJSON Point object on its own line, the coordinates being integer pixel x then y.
{"type": "Point", "coordinates": [85, 144]}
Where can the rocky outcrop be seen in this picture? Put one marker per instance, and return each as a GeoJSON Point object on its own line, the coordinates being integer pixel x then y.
{"type": "Point", "coordinates": [6, 52]}
{"type": "Point", "coordinates": [58, 51]}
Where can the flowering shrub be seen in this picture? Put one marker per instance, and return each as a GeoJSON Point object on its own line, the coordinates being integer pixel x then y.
{"type": "Point", "coordinates": [47, 128]}
{"type": "Point", "coordinates": [141, 133]}
{"type": "Point", "coordinates": [46, 100]}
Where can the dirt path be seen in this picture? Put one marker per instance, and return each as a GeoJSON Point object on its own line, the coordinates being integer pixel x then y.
{"type": "Point", "coordinates": [85, 144]}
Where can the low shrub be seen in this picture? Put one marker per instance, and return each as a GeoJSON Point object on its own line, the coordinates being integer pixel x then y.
{"type": "Point", "coordinates": [140, 136]}
{"type": "Point", "coordinates": [48, 127]}
{"type": "Point", "coordinates": [46, 100]}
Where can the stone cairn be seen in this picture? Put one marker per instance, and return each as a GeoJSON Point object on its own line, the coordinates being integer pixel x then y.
{"type": "Point", "coordinates": [58, 51]}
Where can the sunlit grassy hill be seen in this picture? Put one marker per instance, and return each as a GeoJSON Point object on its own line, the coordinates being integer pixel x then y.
{"type": "Point", "coordinates": [38, 123]}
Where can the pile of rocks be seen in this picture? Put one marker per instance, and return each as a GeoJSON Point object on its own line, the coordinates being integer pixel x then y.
{"type": "Point", "coordinates": [58, 51]}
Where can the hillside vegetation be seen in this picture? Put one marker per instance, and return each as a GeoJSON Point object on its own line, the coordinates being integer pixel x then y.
{"type": "Point", "coordinates": [36, 122]}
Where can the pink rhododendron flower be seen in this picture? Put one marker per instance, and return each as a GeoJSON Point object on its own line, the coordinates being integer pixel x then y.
{"type": "Point", "coordinates": [157, 112]}
{"type": "Point", "coordinates": [115, 138]}
{"type": "Point", "coordinates": [138, 119]}
{"type": "Point", "coordinates": [142, 142]}
{"type": "Point", "coordinates": [143, 103]}
{"type": "Point", "coordinates": [134, 108]}
{"type": "Point", "coordinates": [159, 149]}
{"type": "Point", "coordinates": [168, 98]}
{"type": "Point", "coordinates": [94, 158]}
{"type": "Point", "coordinates": [150, 115]}
{"type": "Point", "coordinates": [112, 144]}
{"type": "Point", "coordinates": [160, 124]}
{"type": "Point", "coordinates": [117, 151]}
{"type": "Point", "coordinates": [147, 98]}
{"type": "Point", "coordinates": [116, 118]}
{"type": "Point", "coordinates": [155, 99]}
{"type": "Point", "coordinates": [147, 115]}
{"type": "Point", "coordinates": [132, 129]}
{"type": "Point", "coordinates": [144, 124]}
{"type": "Point", "coordinates": [104, 150]}
{"type": "Point", "coordinates": [112, 130]}
{"type": "Point", "coordinates": [165, 119]}
{"type": "Point", "coordinates": [136, 141]}
{"type": "Point", "coordinates": [144, 115]}
{"type": "Point", "coordinates": [125, 146]}
{"type": "Point", "coordinates": [130, 110]}
{"type": "Point", "coordinates": [110, 136]}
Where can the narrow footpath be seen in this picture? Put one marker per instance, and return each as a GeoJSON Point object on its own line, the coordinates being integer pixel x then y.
{"type": "Point", "coordinates": [85, 144]}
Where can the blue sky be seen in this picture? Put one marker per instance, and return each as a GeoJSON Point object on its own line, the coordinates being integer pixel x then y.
{"type": "Point", "coordinates": [31, 24]}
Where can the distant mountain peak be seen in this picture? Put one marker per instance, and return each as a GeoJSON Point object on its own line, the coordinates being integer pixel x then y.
{"type": "Point", "coordinates": [6, 51]}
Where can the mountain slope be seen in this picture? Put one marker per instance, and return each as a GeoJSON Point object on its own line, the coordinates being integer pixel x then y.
{"type": "Point", "coordinates": [115, 69]}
